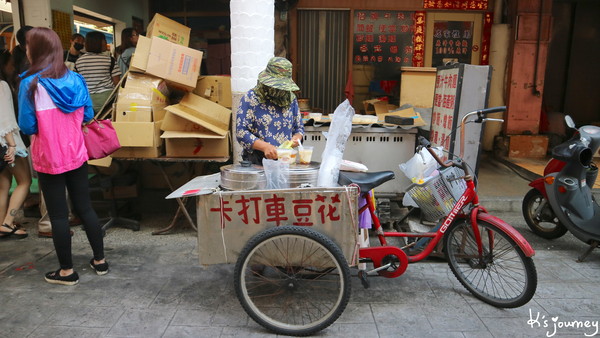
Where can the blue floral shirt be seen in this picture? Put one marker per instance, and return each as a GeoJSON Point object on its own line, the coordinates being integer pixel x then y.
{"type": "Point", "coordinates": [265, 121]}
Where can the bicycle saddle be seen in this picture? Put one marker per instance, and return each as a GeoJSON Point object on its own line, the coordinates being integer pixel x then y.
{"type": "Point", "coordinates": [366, 181]}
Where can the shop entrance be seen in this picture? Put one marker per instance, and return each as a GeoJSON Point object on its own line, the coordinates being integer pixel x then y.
{"type": "Point", "coordinates": [323, 57]}
{"type": "Point", "coordinates": [572, 72]}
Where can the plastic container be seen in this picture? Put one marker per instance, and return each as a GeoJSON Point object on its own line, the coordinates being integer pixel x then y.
{"type": "Point", "coordinates": [286, 155]}
{"type": "Point", "coordinates": [305, 154]}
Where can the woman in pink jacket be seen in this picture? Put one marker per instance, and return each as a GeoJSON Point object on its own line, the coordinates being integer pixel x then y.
{"type": "Point", "coordinates": [53, 104]}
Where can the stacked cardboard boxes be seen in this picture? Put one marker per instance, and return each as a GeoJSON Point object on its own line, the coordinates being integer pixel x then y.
{"type": "Point", "coordinates": [194, 127]}
{"type": "Point", "coordinates": [138, 114]}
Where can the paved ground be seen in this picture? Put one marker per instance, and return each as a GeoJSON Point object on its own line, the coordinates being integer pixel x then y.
{"type": "Point", "coordinates": [156, 287]}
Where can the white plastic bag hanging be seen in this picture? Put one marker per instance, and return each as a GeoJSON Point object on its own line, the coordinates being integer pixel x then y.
{"type": "Point", "coordinates": [421, 165]}
{"type": "Point", "coordinates": [339, 131]}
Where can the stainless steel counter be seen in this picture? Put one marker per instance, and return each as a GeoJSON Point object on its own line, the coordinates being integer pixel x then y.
{"type": "Point", "coordinates": [379, 148]}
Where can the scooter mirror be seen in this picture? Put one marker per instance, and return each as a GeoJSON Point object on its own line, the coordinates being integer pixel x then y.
{"type": "Point", "coordinates": [569, 122]}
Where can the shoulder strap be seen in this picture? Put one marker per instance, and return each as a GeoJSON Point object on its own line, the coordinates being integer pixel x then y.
{"type": "Point", "coordinates": [112, 64]}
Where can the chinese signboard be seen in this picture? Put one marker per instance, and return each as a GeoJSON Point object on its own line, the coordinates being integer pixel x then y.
{"type": "Point", "coordinates": [444, 102]}
{"type": "Point", "coordinates": [419, 40]}
{"type": "Point", "coordinates": [227, 220]}
{"type": "Point", "coordinates": [463, 5]}
{"type": "Point", "coordinates": [452, 40]}
{"type": "Point", "coordinates": [485, 39]}
{"type": "Point", "coordinates": [385, 37]}
{"type": "Point", "coordinates": [459, 89]}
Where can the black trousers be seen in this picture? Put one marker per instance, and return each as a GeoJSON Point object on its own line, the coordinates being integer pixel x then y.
{"type": "Point", "coordinates": [76, 182]}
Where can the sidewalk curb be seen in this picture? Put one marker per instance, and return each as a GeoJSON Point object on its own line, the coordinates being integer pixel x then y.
{"type": "Point", "coordinates": [501, 204]}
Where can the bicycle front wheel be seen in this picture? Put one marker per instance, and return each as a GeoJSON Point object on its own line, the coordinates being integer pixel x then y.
{"type": "Point", "coordinates": [292, 280]}
{"type": "Point", "coordinates": [502, 276]}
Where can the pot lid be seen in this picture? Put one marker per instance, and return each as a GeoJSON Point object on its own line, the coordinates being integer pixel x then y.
{"type": "Point", "coordinates": [305, 167]}
{"type": "Point", "coordinates": [243, 167]}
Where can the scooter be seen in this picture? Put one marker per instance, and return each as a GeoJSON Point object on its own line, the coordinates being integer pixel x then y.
{"type": "Point", "coordinates": [562, 200]}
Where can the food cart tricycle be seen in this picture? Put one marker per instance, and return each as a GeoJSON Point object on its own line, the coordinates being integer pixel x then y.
{"type": "Point", "coordinates": [293, 248]}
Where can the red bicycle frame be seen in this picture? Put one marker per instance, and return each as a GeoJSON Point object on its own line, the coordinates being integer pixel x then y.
{"type": "Point", "coordinates": [378, 254]}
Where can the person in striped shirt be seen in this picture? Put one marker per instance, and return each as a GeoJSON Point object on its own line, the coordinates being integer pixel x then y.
{"type": "Point", "coordinates": [98, 69]}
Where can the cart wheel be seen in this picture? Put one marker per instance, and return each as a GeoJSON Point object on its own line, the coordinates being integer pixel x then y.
{"type": "Point", "coordinates": [292, 280]}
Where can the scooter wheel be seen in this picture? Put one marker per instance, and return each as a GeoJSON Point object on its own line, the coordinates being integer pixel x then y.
{"type": "Point", "coordinates": [539, 216]}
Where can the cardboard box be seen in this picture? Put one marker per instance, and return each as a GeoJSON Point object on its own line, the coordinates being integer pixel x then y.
{"type": "Point", "coordinates": [101, 162]}
{"type": "Point", "coordinates": [178, 65]}
{"type": "Point", "coordinates": [139, 60]}
{"type": "Point", "coordinates": [197, 114]}
{"type": "Point", "coordinates": [138, 134]}
{"type": "Point", "coordinates": [376, 106]}
{"type": "Point", "coordinates": [146, 82]}
{"type": "Point", "coordinates": [139, 152]}
{"type": "Point", "coordinates": [195, 144]}
{"type": "Point", "coordinates": [143, 99]}
{"type": "Point", "coordinates": [215, 88]}
{"type": "Point", "coordinates": [132, 113]}
{"type": "Point", "coordinates": [417, 86]}
{"type": "Point", "coordinates": [167, 29]}
{"type": "Point", "coordinates": [175, 63]}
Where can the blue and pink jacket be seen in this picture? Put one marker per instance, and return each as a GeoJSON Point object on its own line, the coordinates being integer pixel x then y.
{"type": "Point", "coordinates": [54, 120]}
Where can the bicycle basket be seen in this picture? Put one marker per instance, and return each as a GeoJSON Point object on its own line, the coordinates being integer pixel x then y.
{"type": "Point", "coordinates": [437, 196]}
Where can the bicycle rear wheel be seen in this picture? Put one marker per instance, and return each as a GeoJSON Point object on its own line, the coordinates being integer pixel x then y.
{"type": "Point", "coordinates": [503, 276]}
{"type": "Point", "coordinates": [292, 280]}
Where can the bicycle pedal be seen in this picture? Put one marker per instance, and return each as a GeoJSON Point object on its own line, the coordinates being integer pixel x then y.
{"type": "Point", "coordinates": [362, 275]}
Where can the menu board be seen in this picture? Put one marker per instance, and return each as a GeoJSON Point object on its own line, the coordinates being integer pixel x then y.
{"type": "Point", "coordinates": [459, 89]}
{"type": "Point", "coordinates": [383, 37]}
{"type": "Point", "coordinates": [444, 103]}
{"type": "Point", "coordinates": [452, 40]}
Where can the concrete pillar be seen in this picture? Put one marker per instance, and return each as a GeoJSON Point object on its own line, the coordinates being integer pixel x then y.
{"type": "Point", "coordinates": [252, 45]}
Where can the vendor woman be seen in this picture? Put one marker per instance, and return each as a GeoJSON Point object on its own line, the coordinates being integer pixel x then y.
{"type": "Point", "coordinates": [268, 114]}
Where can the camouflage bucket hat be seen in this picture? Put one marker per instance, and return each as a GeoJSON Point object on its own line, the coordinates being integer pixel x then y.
{"type": "Point", "coordinates": [278, 74]}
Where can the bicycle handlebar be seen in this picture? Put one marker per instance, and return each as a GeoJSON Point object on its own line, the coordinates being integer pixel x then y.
{"type": "Point", "coordinates": [481, 113]}
{"type": "Point", "coordinates": [427, 145]}
{"type": "Point", "coordinates": [491, 110]}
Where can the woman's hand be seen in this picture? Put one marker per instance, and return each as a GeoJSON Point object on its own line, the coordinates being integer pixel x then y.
{"type": "Point", "coordinates": [268, 149]}
{"type": "Point", "coordinates": [296, 140]}
{"type": "Point", "coordinates": [9, 157]}
{"type": "Point", "coordinates": [270, 152]}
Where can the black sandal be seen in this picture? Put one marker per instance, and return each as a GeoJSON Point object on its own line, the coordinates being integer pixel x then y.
{"type": "Point", "coordinates": [13, 233]}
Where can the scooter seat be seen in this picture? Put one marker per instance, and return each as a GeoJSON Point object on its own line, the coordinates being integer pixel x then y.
{"type": "Point", "coordinates": [366, 181]}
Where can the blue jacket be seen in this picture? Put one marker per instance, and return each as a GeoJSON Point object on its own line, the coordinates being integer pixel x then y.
{"type": "Point", "coordinates": [68, 94]}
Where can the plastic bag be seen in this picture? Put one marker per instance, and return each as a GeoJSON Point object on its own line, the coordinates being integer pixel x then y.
{"type": "Point", "coordinates": [276, 173]}
{"type": "Point", "coordinates": [339, 131]}
{"type": "Point", "coordinates": [353, 166]}
{"type": "Point", "coordinates": [421, 165]}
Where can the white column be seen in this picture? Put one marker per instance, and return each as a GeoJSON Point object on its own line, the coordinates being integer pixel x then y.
{"type": "Point", "coordinates": [252, 45]}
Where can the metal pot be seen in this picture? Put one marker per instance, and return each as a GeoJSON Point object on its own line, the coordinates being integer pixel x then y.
{"type": "Point", "coordinates": [243, 176]}
{"type": "Point", "coordinates": [303, 173]}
